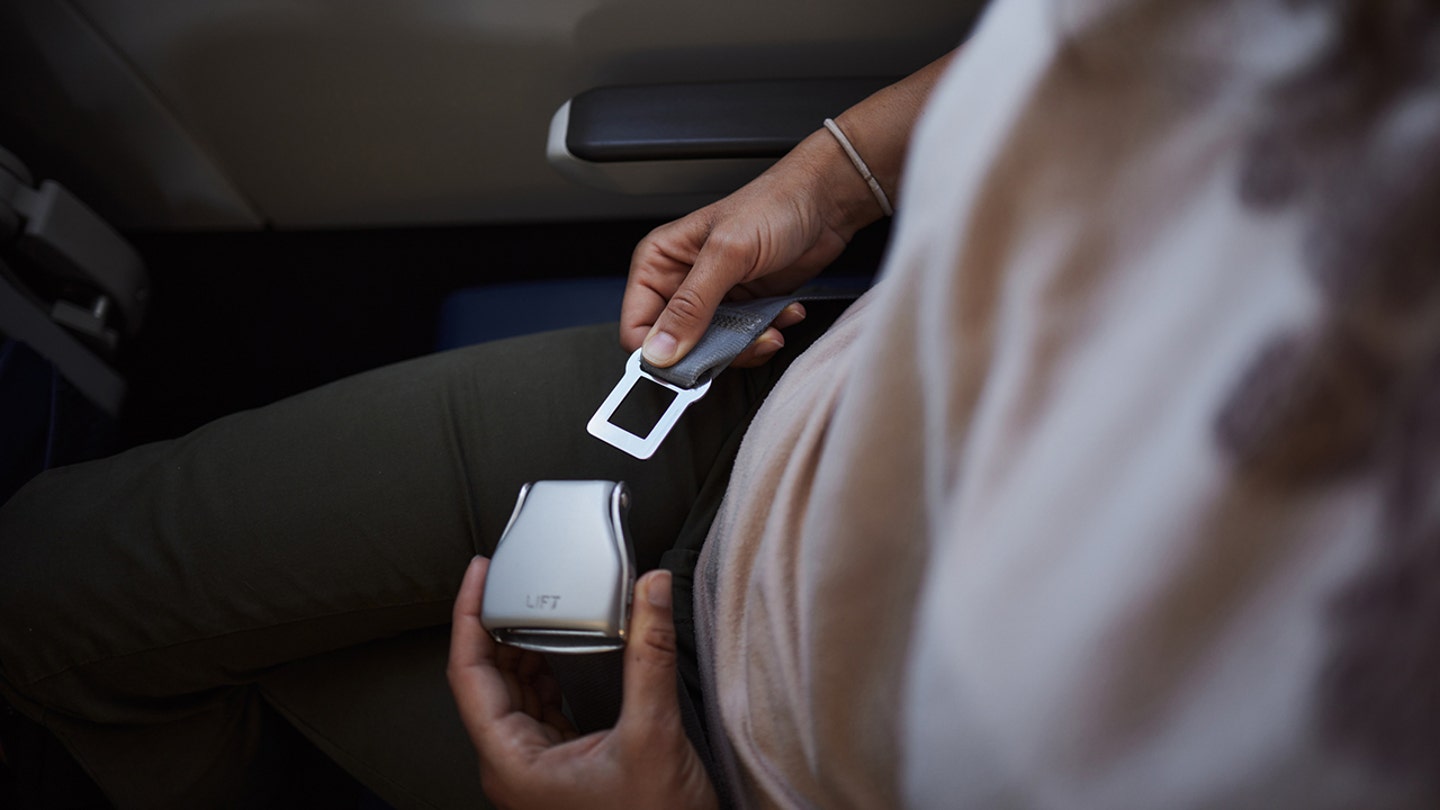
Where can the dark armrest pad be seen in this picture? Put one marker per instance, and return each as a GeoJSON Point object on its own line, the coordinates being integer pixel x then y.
{"type": "Point", "coordinates": [755, 119]}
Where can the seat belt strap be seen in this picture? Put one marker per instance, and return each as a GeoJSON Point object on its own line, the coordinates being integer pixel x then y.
{"type": "Point", "coordinates": [734, 327]}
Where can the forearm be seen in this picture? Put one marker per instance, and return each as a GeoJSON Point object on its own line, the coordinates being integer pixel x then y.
{"type": "Point", "coordinates": [879, 129]}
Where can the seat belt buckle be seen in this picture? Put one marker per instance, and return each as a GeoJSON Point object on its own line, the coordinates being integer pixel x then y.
{"type": "Point", "coordinates": [641, 447]}
{"type": "Point", "coordinates": [563, 573]}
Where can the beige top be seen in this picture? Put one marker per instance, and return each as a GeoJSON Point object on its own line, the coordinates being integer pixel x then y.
{"type": "Point", "coordinates": [1117, 491]}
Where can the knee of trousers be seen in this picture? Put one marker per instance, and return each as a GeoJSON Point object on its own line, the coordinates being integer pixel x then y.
{"type": "Point", "coordinates": [51, 616]}
{"type": "Point", "coordinates": [33, 584]}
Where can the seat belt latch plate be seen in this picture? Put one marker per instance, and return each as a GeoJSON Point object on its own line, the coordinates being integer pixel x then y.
{"type": "Point", "coordinates": [641, 447]}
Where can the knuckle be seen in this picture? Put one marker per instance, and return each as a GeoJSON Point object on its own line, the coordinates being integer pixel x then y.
{"type": "Point", "coordinates": [730, 248]}
{"type": "Point", "coordinates": [646, 247]}
{"type": "Point", "coordinates": [659, 641]}
{"type": "Point", "coordinates": [687, 308]}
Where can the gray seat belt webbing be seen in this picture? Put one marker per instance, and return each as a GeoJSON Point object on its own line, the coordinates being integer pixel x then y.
{"type": "Point", "coordinates": [734, 327]}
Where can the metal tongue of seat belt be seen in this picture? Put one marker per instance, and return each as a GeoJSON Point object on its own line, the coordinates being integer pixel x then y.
{"type": "Point", "coordinates": [734, 327]}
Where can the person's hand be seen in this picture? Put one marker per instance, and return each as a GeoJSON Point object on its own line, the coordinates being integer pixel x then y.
{"type": "Point", "coordinates": [530, 755]}
{"type": "Point", "coordinates": [771, 236]}
{"type": "Point", "coordinates": [768, 238]}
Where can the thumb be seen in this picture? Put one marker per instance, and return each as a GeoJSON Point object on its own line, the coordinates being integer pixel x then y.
{"type": "Point", "coordinates": [650, 703]}
{"type": "Point", "coordinates": [683, 322]}
{"type": "Point", "coordinates": [722, 263]}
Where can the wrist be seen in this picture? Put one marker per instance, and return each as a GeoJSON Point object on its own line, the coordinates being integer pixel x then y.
{"type": "Point", "coordinates": [877, 131]}
{"type": "Point", "coordinates": [862, 167]}
{"type": "Point", "coordinates": [843, 199]}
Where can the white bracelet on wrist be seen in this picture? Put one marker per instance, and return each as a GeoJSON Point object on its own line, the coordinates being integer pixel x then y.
{"type": "Point", "coordinates": [860, 166]}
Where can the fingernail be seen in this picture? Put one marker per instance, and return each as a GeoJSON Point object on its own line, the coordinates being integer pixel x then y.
{"type": "Point", "coordinates": [659, 348]}
{"type": "Point", "coordinates": [657, 590]}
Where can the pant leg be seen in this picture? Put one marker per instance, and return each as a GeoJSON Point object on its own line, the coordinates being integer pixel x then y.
{"type": "Point", "coordinates": [142, 597]}
{"type": "Point", "coordinates": [384, 711]}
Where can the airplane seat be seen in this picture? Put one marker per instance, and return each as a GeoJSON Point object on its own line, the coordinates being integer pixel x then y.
{"type": "Point", "coordinates": [72, 290]}
{"type": "Point", "coordinates": [45, 421]}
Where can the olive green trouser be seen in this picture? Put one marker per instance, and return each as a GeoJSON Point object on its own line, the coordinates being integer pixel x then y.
{"type": "Point", "coordinates": [302, 559]}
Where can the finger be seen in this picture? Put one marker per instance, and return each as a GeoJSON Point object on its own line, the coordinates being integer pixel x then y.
{"type": "Point", "coordinates": [650, 703]}
{"type": "Point", "coordinates": [792, 314]}
{"type": "Point", "coordinates": [507, 661]}
{"type": "Point", "coordinates": [470, 644]}
{"type": "Point", "coordinates": [759, 352]}
{"type": "Point", "coordinates": [771, 340]}
{"type": "Point", "coordinates": [479, 691]}
{"type": "Point", "coordinates": [722, 263]}
{"type": "Point", "coordinates": [640, 309]}
{"type": "Point", "coordinates": [657, 267]}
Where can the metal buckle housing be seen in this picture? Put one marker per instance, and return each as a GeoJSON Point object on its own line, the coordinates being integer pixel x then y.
{"type": "Point", "coordinates": [561, 578]}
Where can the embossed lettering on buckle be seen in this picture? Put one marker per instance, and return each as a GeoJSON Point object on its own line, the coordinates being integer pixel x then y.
{"type": "Point", "coordinates": [602, 428]}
